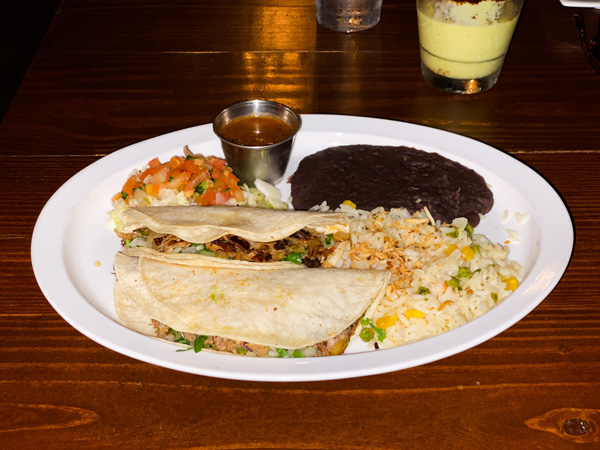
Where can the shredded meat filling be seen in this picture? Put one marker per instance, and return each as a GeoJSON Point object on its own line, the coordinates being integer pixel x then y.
{"type": "Point", "coordinates": [305, 244]}
{"type": "Point", "coordinates": [334, 346]}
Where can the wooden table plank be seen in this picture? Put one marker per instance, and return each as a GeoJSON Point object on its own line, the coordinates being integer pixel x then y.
{"type": "Point", "coordinates": [105, 103]}
{"type": "Point", "coordinates": [123, 95]}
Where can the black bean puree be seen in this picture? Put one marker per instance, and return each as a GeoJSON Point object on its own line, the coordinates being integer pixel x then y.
{"type": "Point", "coordinates": [372, 176]}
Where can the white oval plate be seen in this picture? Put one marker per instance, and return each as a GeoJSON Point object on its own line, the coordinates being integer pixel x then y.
{"type": "Point", "coordinates": [73, 248]}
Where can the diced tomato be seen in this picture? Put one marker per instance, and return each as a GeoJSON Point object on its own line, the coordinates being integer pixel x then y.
{"type": "Point", "coordinates": [176, 162]}
{"type": "Point", "coordinates": [222, 197]}
{"type": "Point", "coordinates": [194, 181]}
{"type": "Point", "coordinates": [237, 193]}
{"type": "Point", "coordinates": [152, 171]}
{"type": "Point", "coordinates": [188, 190]}
{"type": "Point", "coordinates": [154, 162]}
{"type": "Point", "coordinates": [129, 184]}
{"type": "Point", "coordinates": [229, 178]}
{"type": "Point", "coordinates": [152, 189]}
{"type": "Point", "coordinates": [217, 163]}
{"type": "Point", "coordinates": [176, 180]}
{"type": "Point", "coordinates": [232, 183]}
{"type": "Point", "coordinates": [128, 187]}
{"type": "Point", "coordinates": [216, 174]}
{"type": "Point", "coordinates": [208, 197]}
{"type": "Point", "coordinates": [176, 172]}
{"type": "Point", "coordinates": [190, 166]}
{"type": "Point", "coordinates": [220, 186]}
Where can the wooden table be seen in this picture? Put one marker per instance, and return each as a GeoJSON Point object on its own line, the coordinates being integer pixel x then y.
{"type": "Point", "coordinates": [111, 73]}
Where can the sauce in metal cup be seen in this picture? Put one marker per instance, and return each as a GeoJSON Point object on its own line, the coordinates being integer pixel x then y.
{"type": "Point", "coordinates": [257, 137]}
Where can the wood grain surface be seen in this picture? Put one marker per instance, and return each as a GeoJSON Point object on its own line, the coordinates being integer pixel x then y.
{"type": "Point", "coordinates": [111, 73]}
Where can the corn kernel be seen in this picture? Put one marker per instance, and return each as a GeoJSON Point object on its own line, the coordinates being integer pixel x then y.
{"type": "Point", "coordinates": [468, 253]}
{"type": "Point", "coordinates": [448, 251]}
{"type": "Point", "coordinates": [414, 313]}
{"type": "Point", "coordinates": [349, 203]}
{"type": "Point", "coordinates": [511, 283]}
{"type": "Point", "coordinates": [386, 321]}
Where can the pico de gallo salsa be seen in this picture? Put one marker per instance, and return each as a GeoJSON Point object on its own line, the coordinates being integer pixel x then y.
{"type": "Point", "coordinates": [202, 181]}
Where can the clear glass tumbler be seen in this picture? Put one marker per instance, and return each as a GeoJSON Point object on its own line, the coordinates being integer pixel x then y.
{"type": "Point", "coordinates": [348, 15]}
{"type": "Point", "coordinates": [464, 42]}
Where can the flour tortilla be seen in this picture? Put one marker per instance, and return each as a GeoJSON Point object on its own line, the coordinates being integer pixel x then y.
{"type": "Point", "coordinates": [129, 288]}
{"type": "Point", "coordinates": [130, 315]}
{"type": "Point", "coordinates": [283, 308]}
{"type": "Point", "coordinates": [201, 224]}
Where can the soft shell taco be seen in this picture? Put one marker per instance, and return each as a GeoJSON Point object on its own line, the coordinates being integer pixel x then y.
{"type": "Point", "coordinates": [237, 233]}
{"type": "Point", "coordinates": [241, 307]}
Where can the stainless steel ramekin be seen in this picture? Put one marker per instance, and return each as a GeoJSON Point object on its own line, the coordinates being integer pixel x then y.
{"type": "Point", "coordinates": [268, 162]}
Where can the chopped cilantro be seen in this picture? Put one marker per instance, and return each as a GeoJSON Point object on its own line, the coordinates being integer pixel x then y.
{"type": "Point", "coordinates": [180, 339]}
{"type": "Point", "coordinates": [294, 257]}
{"type": "Point", "coordinates": [328, 240]}
{"type": "Point", "coordinates": [282, 352]}
{"type": "Point", "coordinates": [297, 354]}
{"type": "Point", "coordinates": [201, 187]}
{"type": "Point", "coordinates": [198, 344]}
{"type": "Point", "coordinates": [202, 250]}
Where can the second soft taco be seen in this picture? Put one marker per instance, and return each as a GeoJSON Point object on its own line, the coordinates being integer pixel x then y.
{"type": "Point", "coordinates": [247, 308]}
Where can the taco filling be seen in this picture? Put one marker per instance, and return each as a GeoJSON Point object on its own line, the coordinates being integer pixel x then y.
{"type": "Point", "coordinates": [236, 233]}
{"type": "Point", "coordinates": [331, 347]}
{"type": "Point", "coordinates": [305, 246]}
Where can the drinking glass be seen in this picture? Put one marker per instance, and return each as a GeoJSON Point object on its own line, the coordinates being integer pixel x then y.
{"type": "Point", "coordinates": [464, 43]}
{"type": "Point", "coordinates": [348, 15]}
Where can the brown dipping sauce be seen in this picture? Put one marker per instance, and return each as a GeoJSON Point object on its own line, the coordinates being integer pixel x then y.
{"type": "Point", "coordinates": [256, 131]}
